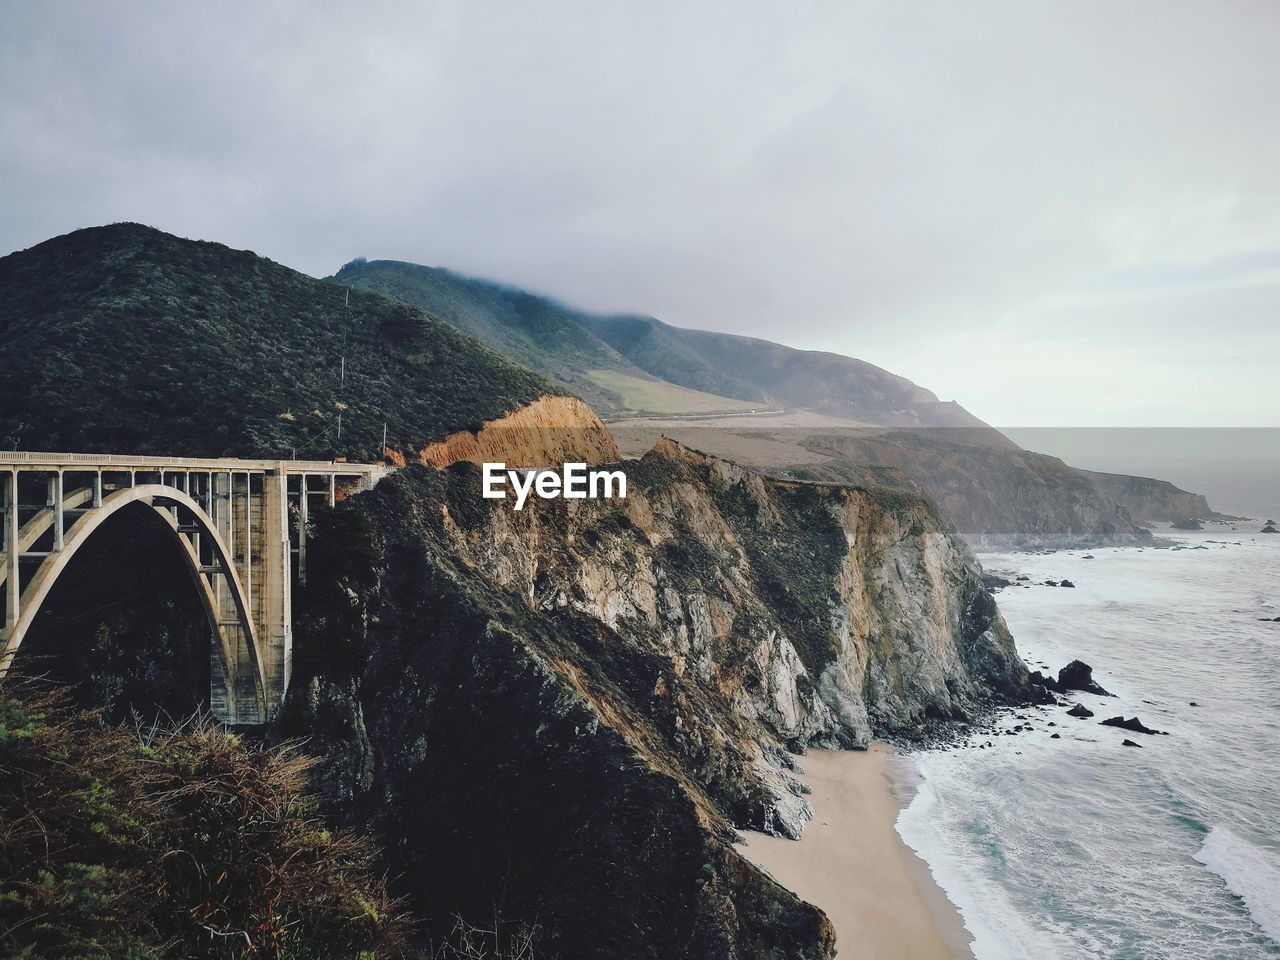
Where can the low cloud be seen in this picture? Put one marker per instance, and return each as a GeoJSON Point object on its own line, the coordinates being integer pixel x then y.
{"type": "Point", "coordinates": [879, 179]}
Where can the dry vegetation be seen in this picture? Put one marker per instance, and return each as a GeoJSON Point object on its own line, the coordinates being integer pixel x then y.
{"type": "Point", "coordinates": [119, 842]}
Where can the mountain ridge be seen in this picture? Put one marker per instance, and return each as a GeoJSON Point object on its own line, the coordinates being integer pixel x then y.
{"type": "Point", "coordinates": [993, 488]}
{"type": "Point", "coordinates": [564, 342]}
{"type": "Point", "coordinates": [160, 343]}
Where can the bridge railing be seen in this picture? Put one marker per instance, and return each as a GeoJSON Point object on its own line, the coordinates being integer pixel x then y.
{"type": "Point", "coordinates": [52, 459]}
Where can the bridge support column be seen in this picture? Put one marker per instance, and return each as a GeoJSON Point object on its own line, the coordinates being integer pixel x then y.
{"type": "Point", "coordinates": [13, 588]}
{"type": "Point", "coordinates": [303, 520]}
{"type": "Point", "coordinates": [55, 495]}
{"type": "Point", "coordinates": [234, 694]}
{"type": "Point", "coordinates": [275, 623]}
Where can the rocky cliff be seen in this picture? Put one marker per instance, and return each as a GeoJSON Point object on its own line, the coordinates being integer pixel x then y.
{"type": "Point", "coordinates": [571, 707]}
{"type": "Point", "coordinates": [1153, 501]}
{"type": "Point", "coordinates": [992, 495]}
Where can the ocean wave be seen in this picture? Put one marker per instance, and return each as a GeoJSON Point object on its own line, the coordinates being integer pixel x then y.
{"type": "Point", "coordinates": [998, 929]}
{"type": "Point", "coordinates": [1249, 872]}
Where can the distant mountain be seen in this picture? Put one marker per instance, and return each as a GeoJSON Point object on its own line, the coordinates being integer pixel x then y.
{"type": "Point", "coordinates": [993, 496]}
{"type": "Point", "coordinates": [760, 370]}
{"type": "Point", "coordinates": [129, 338]}
{"type": "Point", "coordinates": [639, 364]}
{"type": "Point", "coordinates": [534, 331]}
{"type": "Point", "coordinates": [986, 485]}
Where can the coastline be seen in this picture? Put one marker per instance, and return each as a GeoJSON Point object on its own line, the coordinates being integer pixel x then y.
{"type": "Point", "coordinates": [878, 893]}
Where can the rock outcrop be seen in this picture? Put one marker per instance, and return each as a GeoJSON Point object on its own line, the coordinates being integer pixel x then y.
{"type": "Point", "coordinates": [1078, 675]}
{"type": "Point", "coordinates": [549, 430]}
{"type": "Point", "coordinates": [576, 704]}
{"type": "Point", "coordinates": [1132, 723]}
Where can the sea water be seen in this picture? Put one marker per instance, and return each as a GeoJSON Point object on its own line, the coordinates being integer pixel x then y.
{"type": "Point", "coordinates": [1082, 847]}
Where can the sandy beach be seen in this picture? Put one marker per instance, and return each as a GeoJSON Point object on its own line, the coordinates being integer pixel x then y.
{"type": "Point", "coordinates": [852, 863]}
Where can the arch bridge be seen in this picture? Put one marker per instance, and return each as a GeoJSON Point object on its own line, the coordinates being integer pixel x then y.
{"type": "Point", "coordinates": [240, 526]}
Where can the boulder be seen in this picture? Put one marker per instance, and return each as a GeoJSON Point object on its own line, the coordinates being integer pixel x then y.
{"type": "Point", "coordinates": [1080, 710]}
{"type": "Point", "coordinates": [1078, 675]}
{"type": "Point", "coordinates": [1066, 583]}
{"type": "Point", "coordinates": [1129, 743]}
{"type": "Point", "coordinates": [1133, 723]}
{"type": "Point", "coordinates": [1270, 528]}
{"type": "Point", "coordinates": [1036, 678]}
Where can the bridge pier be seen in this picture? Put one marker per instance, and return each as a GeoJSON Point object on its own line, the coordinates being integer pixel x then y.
{"type": "Point", "coordinates": [232, 522]}
{"type": "Point", "coordinates": [13, 554]}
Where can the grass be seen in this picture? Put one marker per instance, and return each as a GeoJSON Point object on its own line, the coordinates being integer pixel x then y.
{"type": "Point", "coordinates": [157, 845]}
{"type": "Point", "coordinates": [657, 396]}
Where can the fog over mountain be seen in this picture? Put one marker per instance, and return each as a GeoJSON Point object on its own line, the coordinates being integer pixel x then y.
{"type": "Point", "coordinates": [1058, 214]}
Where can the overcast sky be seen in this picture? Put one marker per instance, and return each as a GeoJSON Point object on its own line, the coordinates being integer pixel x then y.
{"type": "Point", "coordinates": [1055, 213]}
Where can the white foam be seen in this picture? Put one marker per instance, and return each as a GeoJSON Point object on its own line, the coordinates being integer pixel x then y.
{"type": "Point", "coordinates": [1249, 872]}
{"type": "Point", "coordinates": [999, 931]}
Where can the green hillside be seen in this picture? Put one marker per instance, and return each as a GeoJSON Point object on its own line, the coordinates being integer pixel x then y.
{"type": "Point", "coordinates": [131, 338]}
{"type": "Point", "coordinates": [652, 395]}
{"type": "Point", "coordinates": [763, 371]}
{"type": "Point", "coordinates": [534, 331]}
{"type": "Point", "coordinates": [572, 347]}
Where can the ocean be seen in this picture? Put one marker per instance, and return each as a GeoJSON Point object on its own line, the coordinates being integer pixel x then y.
{"type": "Point", "coordinates": [1079, 847]}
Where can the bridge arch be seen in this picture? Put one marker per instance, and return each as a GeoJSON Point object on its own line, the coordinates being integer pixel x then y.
{"type": "Point", "coordinates": [160, 498]}
{"type": "Point", "coordinates": [241, 525]}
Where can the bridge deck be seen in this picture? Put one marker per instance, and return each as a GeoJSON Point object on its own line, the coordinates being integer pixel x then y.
{"type": "Point", "coordinates": [26, 460]}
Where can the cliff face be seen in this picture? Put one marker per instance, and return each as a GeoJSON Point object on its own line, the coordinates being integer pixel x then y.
{"type": "Point", "coordinates": [990, 494]}
{"type": "Point", "coordinates": [1151, 500]}
{"type": "Point", "coordinates": [576, 703]}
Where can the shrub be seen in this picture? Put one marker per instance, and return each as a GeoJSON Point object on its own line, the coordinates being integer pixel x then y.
{"type": "Point", "coordinates": [187, 843]}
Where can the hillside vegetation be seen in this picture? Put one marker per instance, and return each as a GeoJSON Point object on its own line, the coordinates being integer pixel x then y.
{"type": "Point", "coordinates": [187, 844]}
{"type": "Point", "coordinates": [572, 346]}
{"type": "Point", "coordinates": [651, 395]}
{"type": "Point", "coordinates": [126, 338]}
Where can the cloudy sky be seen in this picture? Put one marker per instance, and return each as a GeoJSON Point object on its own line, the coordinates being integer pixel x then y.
{"type": "Point", "coordinates": [1057, 213]}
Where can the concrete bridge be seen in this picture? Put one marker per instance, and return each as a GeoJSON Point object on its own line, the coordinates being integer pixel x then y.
{"type": "Point", "coordinates": [240, 527]}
